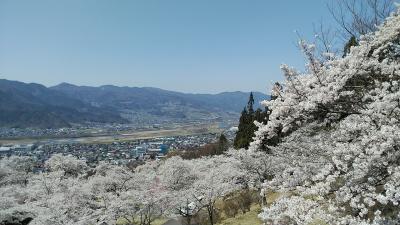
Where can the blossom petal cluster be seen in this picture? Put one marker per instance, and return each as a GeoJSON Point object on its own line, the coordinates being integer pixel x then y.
{"type": "Point", "coordinates": [335, 132]}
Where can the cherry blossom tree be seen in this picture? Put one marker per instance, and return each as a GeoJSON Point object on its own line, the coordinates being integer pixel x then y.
{"type": "Point", "coordinates": [337, 128]}
{"type": "Point", "coordinates": [16, 170]}
{"type": "Point", "coordinates": [67, 191]}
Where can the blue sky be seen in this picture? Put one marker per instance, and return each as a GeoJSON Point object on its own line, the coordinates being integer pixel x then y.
{"type": "Point", "coordinates": [204, 46]}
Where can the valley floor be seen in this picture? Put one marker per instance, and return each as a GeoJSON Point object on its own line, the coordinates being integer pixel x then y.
{"type": "Point", "coordinates": [126, 136]}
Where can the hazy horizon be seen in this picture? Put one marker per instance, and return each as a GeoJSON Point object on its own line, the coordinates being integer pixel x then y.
{"type": "Point", "coordinates": [127, 86]}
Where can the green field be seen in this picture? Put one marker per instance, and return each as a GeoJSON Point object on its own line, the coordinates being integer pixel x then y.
{"type": "Point", "coordinates": [249, 218]}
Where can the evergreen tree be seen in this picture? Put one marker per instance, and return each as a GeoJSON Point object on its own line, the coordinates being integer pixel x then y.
{"type": "Point", "coordinates": [250, 104]}
{"type": "Point", "coordinates": [240, 141]}
{"type": "Point", "coordinates": [259, 115]}
{"type": "Point", "coordinates": [352, 42]}
{"type": "Point", "coordinates": [246, 128]}
{"type": "Point", "coordinates": [223, 144]}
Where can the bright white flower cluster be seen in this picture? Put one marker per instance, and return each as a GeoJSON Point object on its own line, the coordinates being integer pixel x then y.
{"type": "Point", "coordinates": [335, 132]}
{"type": "Point", "coordinates": [69, 192]}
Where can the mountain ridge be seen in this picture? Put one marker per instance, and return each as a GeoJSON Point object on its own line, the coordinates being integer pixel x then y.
{"type": "Point", "coordinates": [155, 104]}
{"type": "Point", "coordinates": [34, 105]}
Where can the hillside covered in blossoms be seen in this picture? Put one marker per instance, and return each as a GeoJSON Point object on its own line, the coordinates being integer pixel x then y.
{"type": "Point", "coordinates": [327, 151]}
{"type": "Point", "coordinates": [333, 136]}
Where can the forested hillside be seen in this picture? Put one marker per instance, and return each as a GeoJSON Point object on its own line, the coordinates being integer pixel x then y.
{"type": "Point", "coordinates": [33, 105]}
{"type": "Point", "coordinates": [158, 104]}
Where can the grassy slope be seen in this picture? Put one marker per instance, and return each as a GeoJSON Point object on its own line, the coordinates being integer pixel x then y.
{"type": "Point", "coordinates": [159, 221]}
{"type": "Point", "coordinates": [249, 218]}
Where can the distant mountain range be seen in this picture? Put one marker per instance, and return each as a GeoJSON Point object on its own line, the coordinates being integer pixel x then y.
{"type": "Point", "coordinates": [34, 105]}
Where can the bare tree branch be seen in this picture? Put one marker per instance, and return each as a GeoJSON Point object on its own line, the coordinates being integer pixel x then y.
{"type": "Point", "coordinates": [359, 17]}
